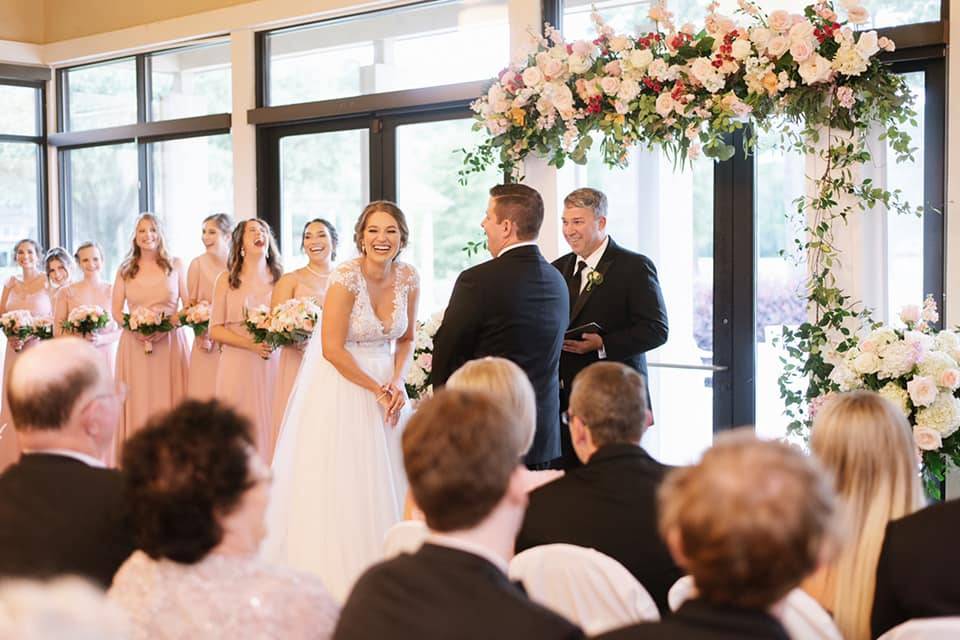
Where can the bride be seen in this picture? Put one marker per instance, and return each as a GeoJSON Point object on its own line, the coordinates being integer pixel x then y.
{"type": "Point", "coordinates": [338, 473]}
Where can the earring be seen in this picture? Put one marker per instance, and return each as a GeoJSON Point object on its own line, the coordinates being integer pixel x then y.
{"type": "Point", "coordinates": [242, 253]}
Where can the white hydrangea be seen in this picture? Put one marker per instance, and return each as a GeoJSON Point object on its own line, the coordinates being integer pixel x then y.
{"type": "Point", "coordinates": [935, 363]}
{"type": "Point", "coordinates": [942, 416]}
{"type": "Point", "coordinates": [897, 395]}
{"type": "Point", "coordinates": [897, 359]}
{"type": "Point", "coordinates": [864, 362]}
{"type": "Point", "coordinates": [948, 342]}
{"type": "Point", "coordinates": [845, 377]}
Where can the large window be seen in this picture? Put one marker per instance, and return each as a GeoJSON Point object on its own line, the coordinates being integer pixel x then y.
{"type": "Point", "coordinates": [167, 148]}
{"type": "Point", "coordinates": [22, 192]}
{"type": "Point", "coordinates": [390, 50]}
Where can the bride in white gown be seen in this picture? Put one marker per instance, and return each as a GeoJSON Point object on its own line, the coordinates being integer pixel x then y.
{"type": "Point", "coordinates": [338, 480]}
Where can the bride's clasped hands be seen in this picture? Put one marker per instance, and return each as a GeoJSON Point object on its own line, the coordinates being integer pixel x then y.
{"type": "Point", "coordinates": [392, 398]}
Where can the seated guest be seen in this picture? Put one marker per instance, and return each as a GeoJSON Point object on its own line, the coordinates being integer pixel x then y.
{"type": "Point", "coordinates": [64, 608]}
{"type": "Point", "coordinates": [867, 446]}
{"type": "Point", "coordinates": [198, 492]}
{"type": "Point", "coordinates": [461, 454]}
{"type": "Point", "coordinates": [507, 381]}
{"type": "Point", "coordinates": [609, 504]}
{"type": "Point", "coordinates": [748, 523]}
{"type": "Point", "coordinates": [61, 511]}
{"type": "Point", "coordinates": [912, 580]}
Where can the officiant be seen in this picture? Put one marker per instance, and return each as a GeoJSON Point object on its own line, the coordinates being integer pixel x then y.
{"type": "Point", "coordinates": [616, 307]}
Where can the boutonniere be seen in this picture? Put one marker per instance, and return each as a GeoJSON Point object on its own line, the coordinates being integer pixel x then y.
{"type": "Point", "coordinates": [594, 279]}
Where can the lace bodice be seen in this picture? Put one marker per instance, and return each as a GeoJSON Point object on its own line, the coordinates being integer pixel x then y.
{"type": "Point", "coordinates": [221, 597]}
{"type": "Point", "coordinates": [365, 326]}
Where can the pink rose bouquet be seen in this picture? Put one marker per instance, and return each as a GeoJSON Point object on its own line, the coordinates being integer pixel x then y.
{"type": "Point", "coordinates": [147, 322]}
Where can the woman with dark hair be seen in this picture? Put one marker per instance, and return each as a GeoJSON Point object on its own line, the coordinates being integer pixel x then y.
{"type": "Point", "coordinates": [340, 480]}
{"type": "Point", "coordinates": [149, 278]}
{"type": "Point", "coordinates": [319, 242]}
{"type": "Point", "coordinates": [201, 277]}
{"type": "Point", "coordinates": [247, 371]}
{"type": "Point", "coordinates": [197, 492]}
{"type": "Point", "coordinates": [30, 293]}
{"type": "Point", "coordinates": [59, 268]}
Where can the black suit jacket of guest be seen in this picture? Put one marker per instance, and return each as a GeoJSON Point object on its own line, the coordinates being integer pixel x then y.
{"type": "Point", "coordinates": [444, 593]}
{"type": "Point", "coordinates": [916, 573]}
{"type": "Point", "coordinates": [516, 307]}
{"type": "Point", "coordinates": [609, 504]}
{"type": "Point", "coordinates": [61, 516]}
{"type": "Point", "coordinates": [699, 620]}
{"type": "Point", "coordinates": [628, 305]}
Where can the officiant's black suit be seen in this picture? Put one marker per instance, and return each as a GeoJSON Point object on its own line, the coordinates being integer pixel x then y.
{"type": "Point", "coordinates": [917, 572]}
{"type": "Point", "coordinates": [516, 307]}
{"type": "Point", "coordinates": [628, 306]}
{"type": "Point", "coordinates": [61, 516]}
{"type": "Point", "coordinates": [443, 593]}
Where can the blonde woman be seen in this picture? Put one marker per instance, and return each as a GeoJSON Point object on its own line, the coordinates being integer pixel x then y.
{"type": "Point", "coordinates": [508, 383]}
{"type": "Point", "coordinates": [866, 443]}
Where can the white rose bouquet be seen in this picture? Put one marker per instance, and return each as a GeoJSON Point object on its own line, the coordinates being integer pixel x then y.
{"type": "Point", "coordinates": [86, 319]}
{"type": "Point", "coordinates": [292, 322]}
{"type": "Point", "coordinates": [17, 325]}
{"type": "Point", "coordinates": [918, 370]}
{"type": "Point", "coordinates": [418, 378]}
{"type": "Point", "coordinates": [147, 322]}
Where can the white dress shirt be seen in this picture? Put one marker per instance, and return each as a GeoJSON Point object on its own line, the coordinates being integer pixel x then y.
{"type": "Point", "coordinates": [525, 243]}
{"type": "Point", "coordinates": [90, 461]}
{"type": "Point", "coordinates": [592, 261]}
{"type": "Point", "coordinates": [452, 542]}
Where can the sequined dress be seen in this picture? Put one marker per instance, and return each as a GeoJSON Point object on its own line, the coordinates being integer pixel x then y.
{"type": "Point", "coordinates": [338, 480]}
{"type": "Point", "coordinates": [221, 597]}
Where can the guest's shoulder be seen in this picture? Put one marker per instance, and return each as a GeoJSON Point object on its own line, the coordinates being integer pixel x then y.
{"type": "Point", "coordinates": [642, 631]}
{"type": "Point", "coordinates": [297, 589]}
{"type": "Point", "coordinates": [928, 522]}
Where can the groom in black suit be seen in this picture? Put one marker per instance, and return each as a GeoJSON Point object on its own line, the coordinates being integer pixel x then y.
{"type": "Point", "coordinates": [515, 307]}
{"type": "Point", "coordinates": [611, 286]}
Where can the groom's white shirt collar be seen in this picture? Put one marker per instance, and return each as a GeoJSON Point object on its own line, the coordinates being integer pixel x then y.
{"type": "Point", "coordinates": [526, 243]}
{"type": "Point", "coordinates": [473, 548]}
{"type": "Point", "coordinates": [90, 461]}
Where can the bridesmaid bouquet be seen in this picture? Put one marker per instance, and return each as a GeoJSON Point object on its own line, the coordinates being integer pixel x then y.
{"type": "Point", "coordinates": [197, 317]}
{"type": "Point", "coordinates": [147, 322]}
{"type": "Point", "coordinates": [292, 322]}
{"type": "Point", "coordinates": [17, 324]}
{"type": "Point", "coordinates": [86, 319]}
{"type": "Point", "coordinates": [257, 320]}
{"type": "Point", "coordinates": [43, 328]}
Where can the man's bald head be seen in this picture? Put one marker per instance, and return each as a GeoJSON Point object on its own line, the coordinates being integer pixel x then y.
{"type": "Point", "coordinates": [48, 380]}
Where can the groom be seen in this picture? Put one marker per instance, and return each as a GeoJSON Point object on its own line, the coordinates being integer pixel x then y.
{"type": "Point", "coordinates": [516, 307]}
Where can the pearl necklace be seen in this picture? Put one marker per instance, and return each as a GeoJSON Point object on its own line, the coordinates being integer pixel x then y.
{"type": "Point", "coordinates": [319, 275]}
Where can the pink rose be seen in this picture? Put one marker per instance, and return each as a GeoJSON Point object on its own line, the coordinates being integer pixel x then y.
{"type": "Point", "coordinates": [857, 15]}
{"type": "Point", "coordinates": [845, 97]}
{"type": "Point", "coordinates": [927, 439]}
{"type": "Point", "coordinates": [886, 44]}
{"type": "Point", "coordinates": [949, 379]}
{"type": "Point", "coordinates": [777, 46]}
{"type": "Point", "coordinates": [665, 104]}
{"type": "Point", "coordinates": [910, 314]}
{"type": "Point", "coordinates": [780, 20]}
{"type": "Point", "coordinates": [582, 48]}
{"type": "Point", "coordinates": [922, 390]}
{"type": "Point", "coordinates": [801, 50]}
{"type": "Point", "coordinates": [610, 85]}
{"type": "Point", "coordinates": [612, 68]}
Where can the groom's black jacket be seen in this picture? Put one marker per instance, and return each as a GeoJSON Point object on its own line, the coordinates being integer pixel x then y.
{"type": "Point", "coordinates": [515, 307]}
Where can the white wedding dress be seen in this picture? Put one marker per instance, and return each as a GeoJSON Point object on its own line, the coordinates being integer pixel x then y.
{"type": "Point", "coordinates": [338, 479]}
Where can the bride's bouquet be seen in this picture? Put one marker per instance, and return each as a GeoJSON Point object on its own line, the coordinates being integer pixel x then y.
{"type": "Point", "coordinates": [17, 324]}
{"type": "Point", "coordinates": [43, 328]}
{"type": "Point", "coordinates": [418, 378]}
{"type": "Point", "coordinates": [257, 321]}
{"type": "Point", "coordinates": [147, 322]}
{"type": "Point", "coordinates": [292, 322]}
{"type": "Point", "coordinates": [86, 320]}
{"type": "Point", "coordinates": [197, 317]}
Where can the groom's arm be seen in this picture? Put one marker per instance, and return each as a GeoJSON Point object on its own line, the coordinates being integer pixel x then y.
{"type": "Point", "coordinates": [457, 336]}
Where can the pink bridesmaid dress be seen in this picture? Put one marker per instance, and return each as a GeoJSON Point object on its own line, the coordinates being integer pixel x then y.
{"type": "Point", "coordinates": [156, 381]}
{"type": "Point", "coordinates": [203, 363]}
{"type": "Point", "coordinates": [39, 304]}
{"type": "Point", "coordinates": [290, 359]}
{"type": "Point", "coordinates": [246, 381]}
{"type": "Point", "coordinates": [71, 297]}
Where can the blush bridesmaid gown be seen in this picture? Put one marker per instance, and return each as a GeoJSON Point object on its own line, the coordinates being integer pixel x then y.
{"type": "Point", "coordinates": [246, 381]}
{"type": "Point", "coordinates": [39, 304]}
{"type": "Point", "coordinates": [156, 381]}
{"type": "Point", "coordinates": [202, 379]}
{"type": "Point", "coordinates": [71, 297]}
{"type": "Point", "coordinates": [289, 366]}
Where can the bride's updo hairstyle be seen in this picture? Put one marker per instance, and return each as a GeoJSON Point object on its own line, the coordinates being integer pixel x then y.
{"type": "Point", "coordinates": [184, 472]}
{"type": "Point", "coordinates": [387, 207]}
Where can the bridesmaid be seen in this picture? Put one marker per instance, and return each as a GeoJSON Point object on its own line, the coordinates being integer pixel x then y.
{"type": "Point", "coordinates": [319, 242]}
{"type": "Point", "coordinates": [149, 277]}
{"type": "Point", "coordinates": [28, 292]}
{"type": "Point", "coordinates": [59, 268]}
{"type": "Point", "coordinates": [91, 290]}
{"type": "Point", "coordinates": [247, 371]}
{"type": "Point", "coordinates": [201, 276]}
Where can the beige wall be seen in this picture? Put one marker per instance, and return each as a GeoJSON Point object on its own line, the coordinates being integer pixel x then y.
{"type": "Point", "coordinates": [22, 20]}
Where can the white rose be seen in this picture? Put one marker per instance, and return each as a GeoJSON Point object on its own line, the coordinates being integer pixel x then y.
{"type": "Point", "coordinates": [665, 104]}
{"type": "Point", "coordinates": [629, 89]}
{"type": "Point", "coordinates": [801, 50]}
{"type": "Point", "coordinates": [578, 63]}
{"type": "Point", "coordinates": [640, 59]}
{"type": "Point", "coordinates": [741, 49]}
{"type": "Point", "coordinates": [845, 378]}
{"type": "Point", "coordinates": [801, 31]}
{"type": "Point", "coordinates": [780, 20]}
{"type": "Point", "coordinates": [922, 390]}
{"type": "Point", "coordinates": [619, 43]}
{"type": "Point", "coordinates": [927, 439]}
{"type": "Point", "coordinates": [868, 44]}
{"type": "Point", "coordinates": [532, 77]}
{"type": "Point", "coordinates": [552, 68]}
{"type": "Point", "coordinates": [610, 85]}
{"type": "Point", "coordinates": [658, 69]}
{"type": "Point", "coordinates": [760, 37]}
{"type": "Point", "coordinates": [815, 69]}
{"type": "Point", "coordinates": [777, 46]}
{"type": "Point", "coordinates": [857, 15]}
{"type": "Point", "coordinates": [866, 363]}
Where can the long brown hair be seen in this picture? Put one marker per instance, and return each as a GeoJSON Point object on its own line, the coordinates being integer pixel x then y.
{"type": "Point", "coordinates": [235, 259]}
{"type": "Point", "coordinates": [130, 266]}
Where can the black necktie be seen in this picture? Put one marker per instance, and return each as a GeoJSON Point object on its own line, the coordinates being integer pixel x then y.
{"type": "Point", "coordinates": [574, 282]}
